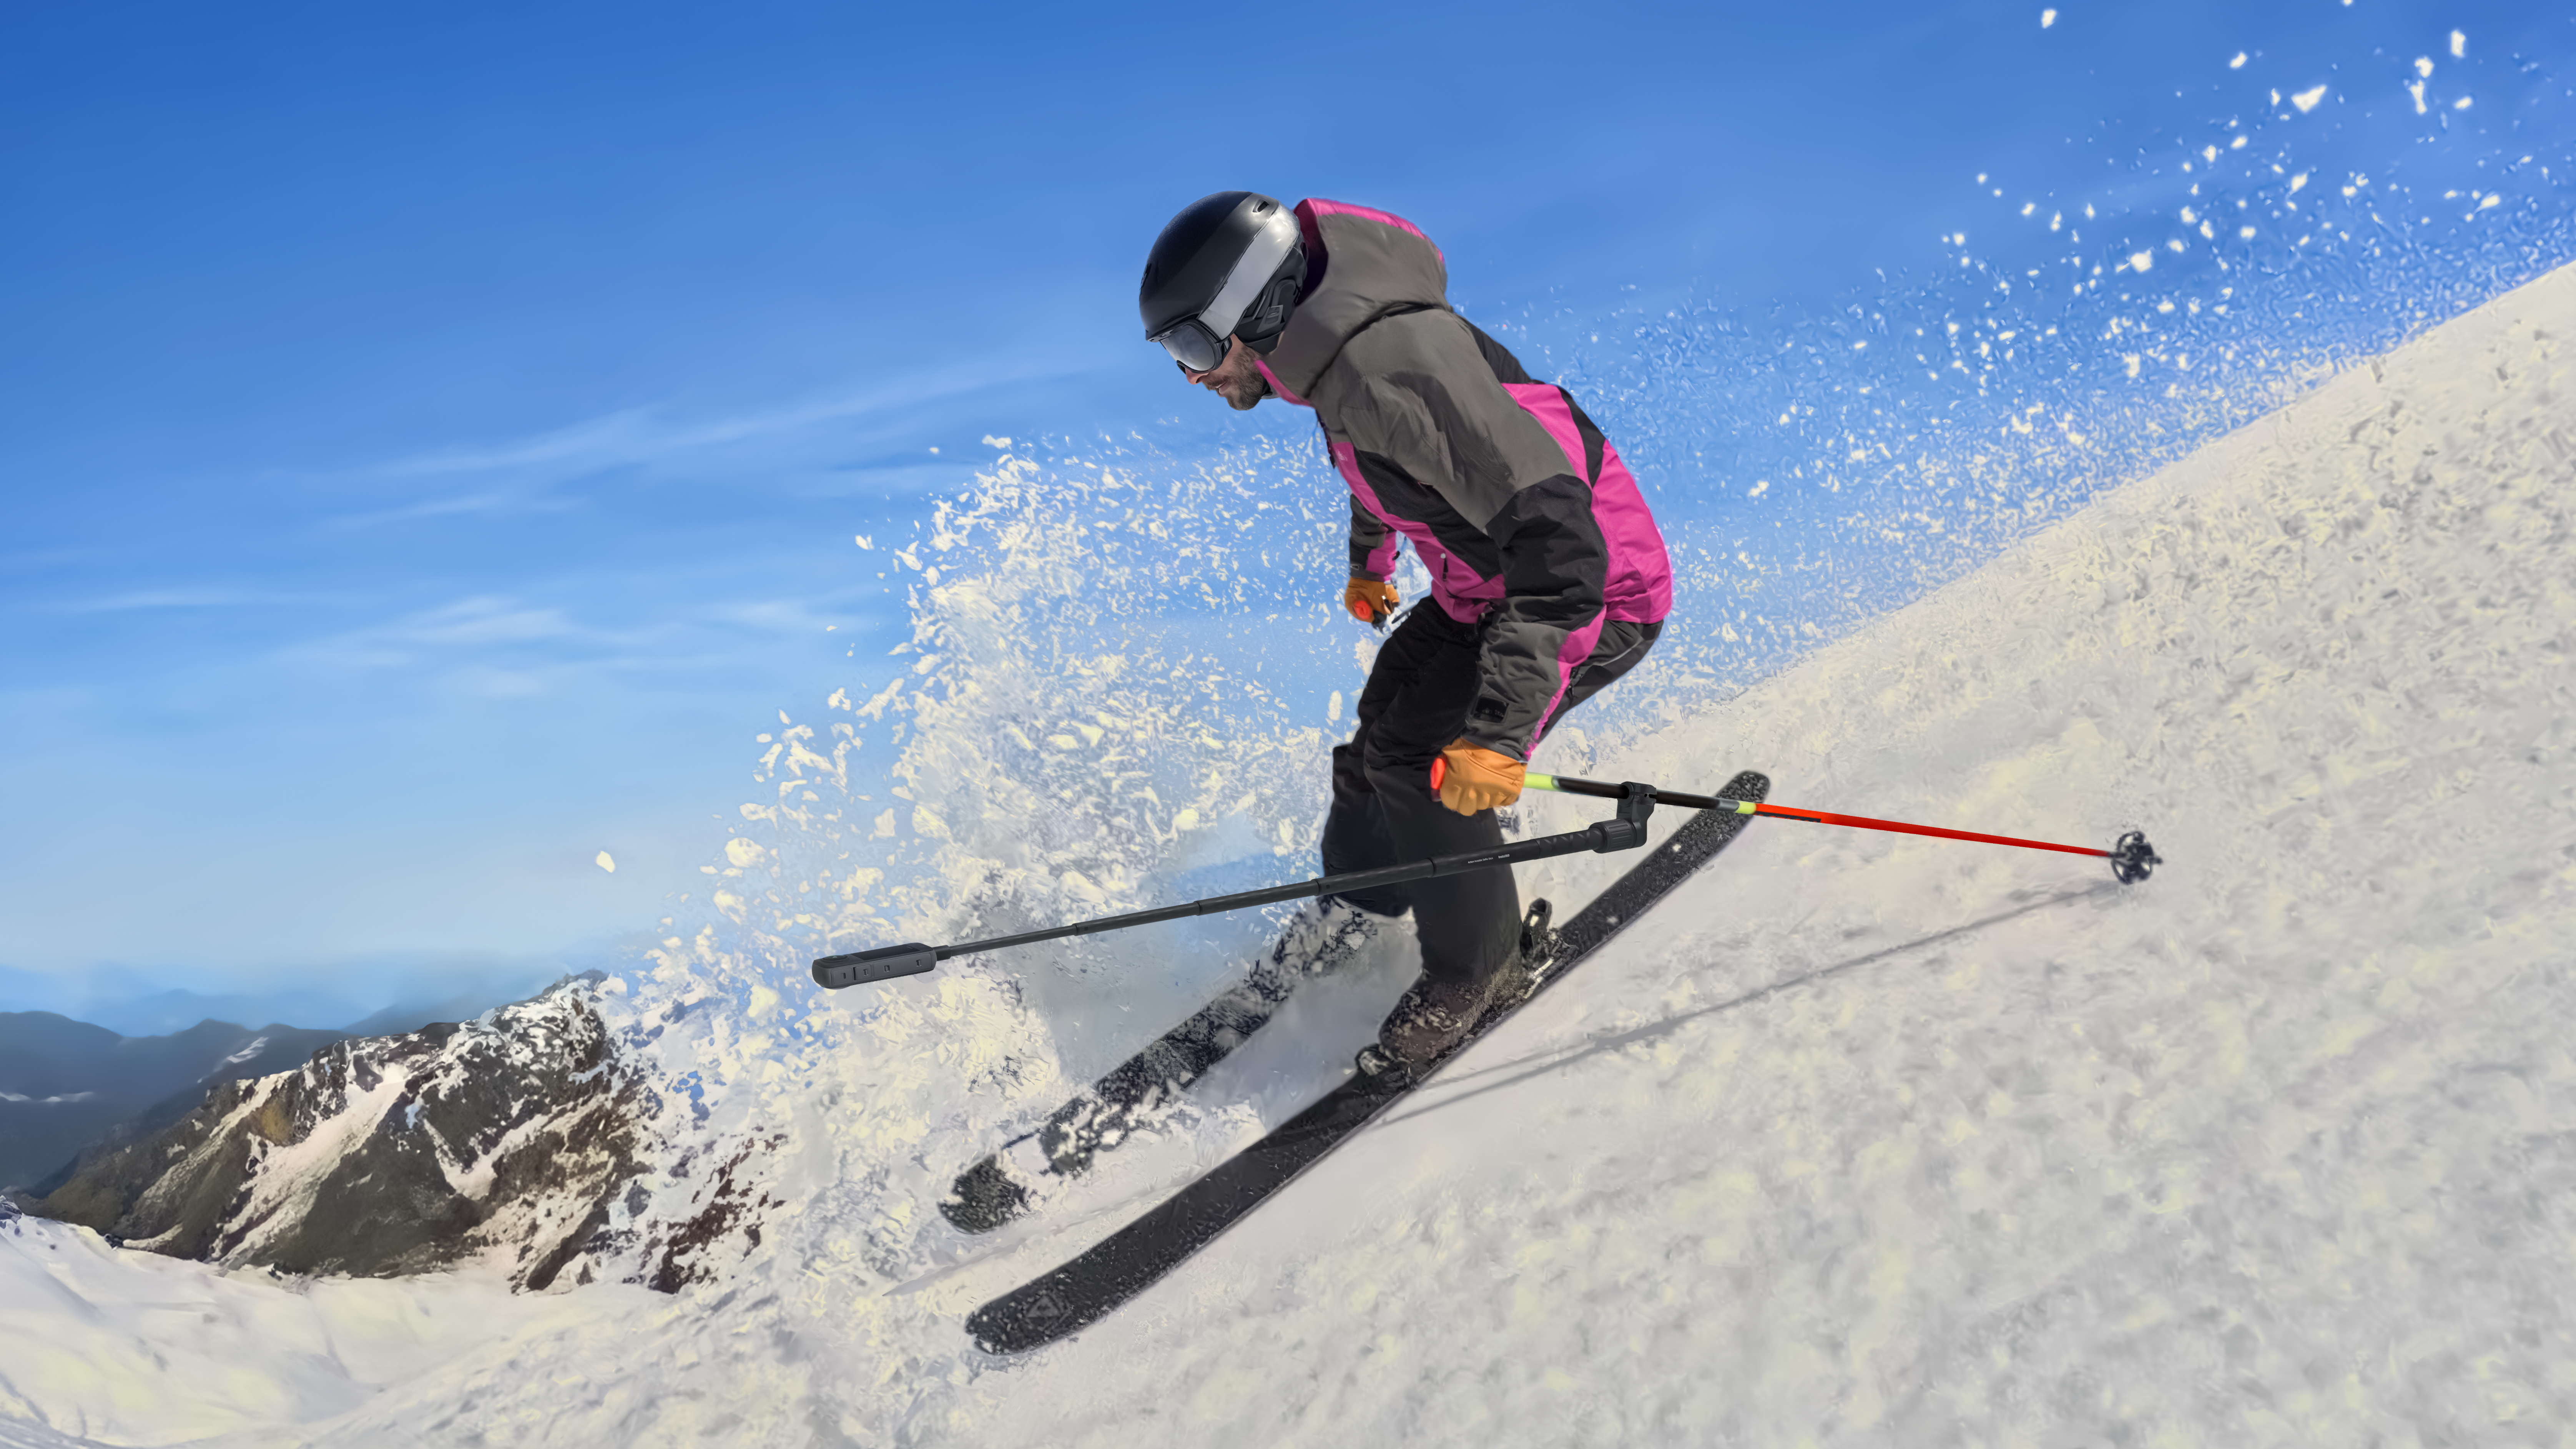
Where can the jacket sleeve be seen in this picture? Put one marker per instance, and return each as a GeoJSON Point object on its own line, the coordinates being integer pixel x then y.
{"type": "Point", "coordinates": [1373, 544]}
{"type": "Point", "coordinates": [1504, 476]}
{"type": "Point", "coordinates": [1555, 568]}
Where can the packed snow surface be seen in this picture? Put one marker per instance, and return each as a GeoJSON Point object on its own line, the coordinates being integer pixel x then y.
{"type": "Point", "coordinates": [1866, 1139]}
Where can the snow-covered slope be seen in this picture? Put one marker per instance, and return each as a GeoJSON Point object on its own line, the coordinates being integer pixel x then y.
{"type": "Point", "coordinates": [1869, 1140]}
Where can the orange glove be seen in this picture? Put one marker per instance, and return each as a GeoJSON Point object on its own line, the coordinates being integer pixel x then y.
{"type": "Point", "coordinates": [1472, 778]}
{"type": "Point", "coordinates": [1371, 601]}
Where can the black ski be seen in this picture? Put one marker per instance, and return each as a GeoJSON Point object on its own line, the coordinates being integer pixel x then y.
{"type": "Point", "coordinates": [1100, 1280]}
{"type": "Point", "coordinates": [1145, 1087]}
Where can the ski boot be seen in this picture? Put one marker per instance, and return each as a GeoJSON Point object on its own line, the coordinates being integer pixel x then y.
{"type": "Point", "coordinates": [1435, 1016]}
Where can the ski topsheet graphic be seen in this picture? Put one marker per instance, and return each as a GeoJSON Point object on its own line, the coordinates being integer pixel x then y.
{"type": "Point", "coordinates": [1095, 1283]}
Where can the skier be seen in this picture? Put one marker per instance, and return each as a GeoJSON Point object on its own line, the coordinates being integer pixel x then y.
{"type": "Point", "coordinates": [1549, 578]}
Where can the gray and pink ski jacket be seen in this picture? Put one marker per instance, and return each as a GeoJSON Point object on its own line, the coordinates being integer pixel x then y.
{"type": "Point", "coordinates": [1512, 498]}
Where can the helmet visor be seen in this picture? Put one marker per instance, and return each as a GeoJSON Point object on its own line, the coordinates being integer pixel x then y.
{"type": "Point", "coordinates": [1192, 345]}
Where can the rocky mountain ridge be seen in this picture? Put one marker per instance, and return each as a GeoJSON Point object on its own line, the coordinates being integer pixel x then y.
{"type": "Point", "coordinates": [540, 1140]}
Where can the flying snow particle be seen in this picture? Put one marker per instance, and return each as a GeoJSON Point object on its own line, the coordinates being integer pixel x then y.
{"type": "Point", "coordinates": [2048, 18]}
{"type": "Point", "coordinates": [604, 863]}
{"type": "Point", "coordinates": [2424, 66]}
{"type": "Point", "coordinates": [2459, 45]}
{"type": "Point", "coordinates": [2306, 100]}
{"type": "Point", "coordinates": [2461, 104]}
{"type": "Point", "coordinates": [2142, 261]}
{"type": "Point", "coordinates": [2238, 63]}
{"type": "Point", "coordinates": [2417, 91]}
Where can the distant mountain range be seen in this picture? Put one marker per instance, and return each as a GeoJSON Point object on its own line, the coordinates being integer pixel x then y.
{"type": "Point", "coordinates": [71, 1092]}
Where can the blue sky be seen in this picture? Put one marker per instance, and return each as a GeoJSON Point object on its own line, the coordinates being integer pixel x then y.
{"type": "Point", "coordinates": [434, 437]}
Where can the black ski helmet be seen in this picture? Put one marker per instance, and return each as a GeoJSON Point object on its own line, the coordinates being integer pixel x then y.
{"type": "Point", "coordinates": [1228, 266]}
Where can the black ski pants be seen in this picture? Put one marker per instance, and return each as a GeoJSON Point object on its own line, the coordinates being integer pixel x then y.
{"type": "Point", "coordinates": [1386, 813]}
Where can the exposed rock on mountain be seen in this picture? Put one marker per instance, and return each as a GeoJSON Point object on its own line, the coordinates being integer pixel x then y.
{"type": "Point", "coordinates": [516, 1140]}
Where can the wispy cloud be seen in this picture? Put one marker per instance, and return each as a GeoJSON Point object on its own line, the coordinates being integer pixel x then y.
{"type": "Point", "coordinates": [495, 500]}
{"type": "Point", "coordinates": [776, 616]}
{"type": "Point", "coordinates": [482, 623]}
{"type": "Point", "coordinates": [191, 598]}
{"type": "Point", "coordinates": [495, 647]}
{"type": "Point", "coordinates": [484, 620]}
{"type": "Point", "coordinates": [522, 475]}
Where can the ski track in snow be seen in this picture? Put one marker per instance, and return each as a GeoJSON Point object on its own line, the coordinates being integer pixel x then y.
{"type": "Point", "coordinates": [1866, 1140]}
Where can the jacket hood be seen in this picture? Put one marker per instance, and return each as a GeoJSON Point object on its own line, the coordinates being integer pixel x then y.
{"type": "Point", "coordinates": [1370, 264]}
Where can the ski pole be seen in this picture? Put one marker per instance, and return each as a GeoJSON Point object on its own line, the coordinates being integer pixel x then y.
{"type": "Point", "coordinates": [1624, 831]}
{"type": "Point", "coordinates": [2132, 859]}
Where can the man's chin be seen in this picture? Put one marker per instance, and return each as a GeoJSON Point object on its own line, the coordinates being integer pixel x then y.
{"type": "Point", "coordinates": [1244, 402]}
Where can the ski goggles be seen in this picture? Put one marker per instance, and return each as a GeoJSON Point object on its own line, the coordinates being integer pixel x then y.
{"type": "Point", "coordinates": [1193, 344]}
{"type": "Point", "coordinates": [1199, 342]}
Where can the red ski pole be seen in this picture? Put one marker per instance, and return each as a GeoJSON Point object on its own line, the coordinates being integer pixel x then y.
{"type": "Point", "coordinates": [2132, 859]}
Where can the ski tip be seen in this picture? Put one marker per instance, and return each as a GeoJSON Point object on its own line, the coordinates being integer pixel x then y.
{"type": "Point", "coordinates": [2133, 860]}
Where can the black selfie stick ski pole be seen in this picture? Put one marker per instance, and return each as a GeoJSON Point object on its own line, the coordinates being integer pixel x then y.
{"type": "Point", "coordinates": [1625, 831]}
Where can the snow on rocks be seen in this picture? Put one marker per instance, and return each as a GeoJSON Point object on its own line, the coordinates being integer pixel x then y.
{"type": "Point", "coordinates": [531, 1139]}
